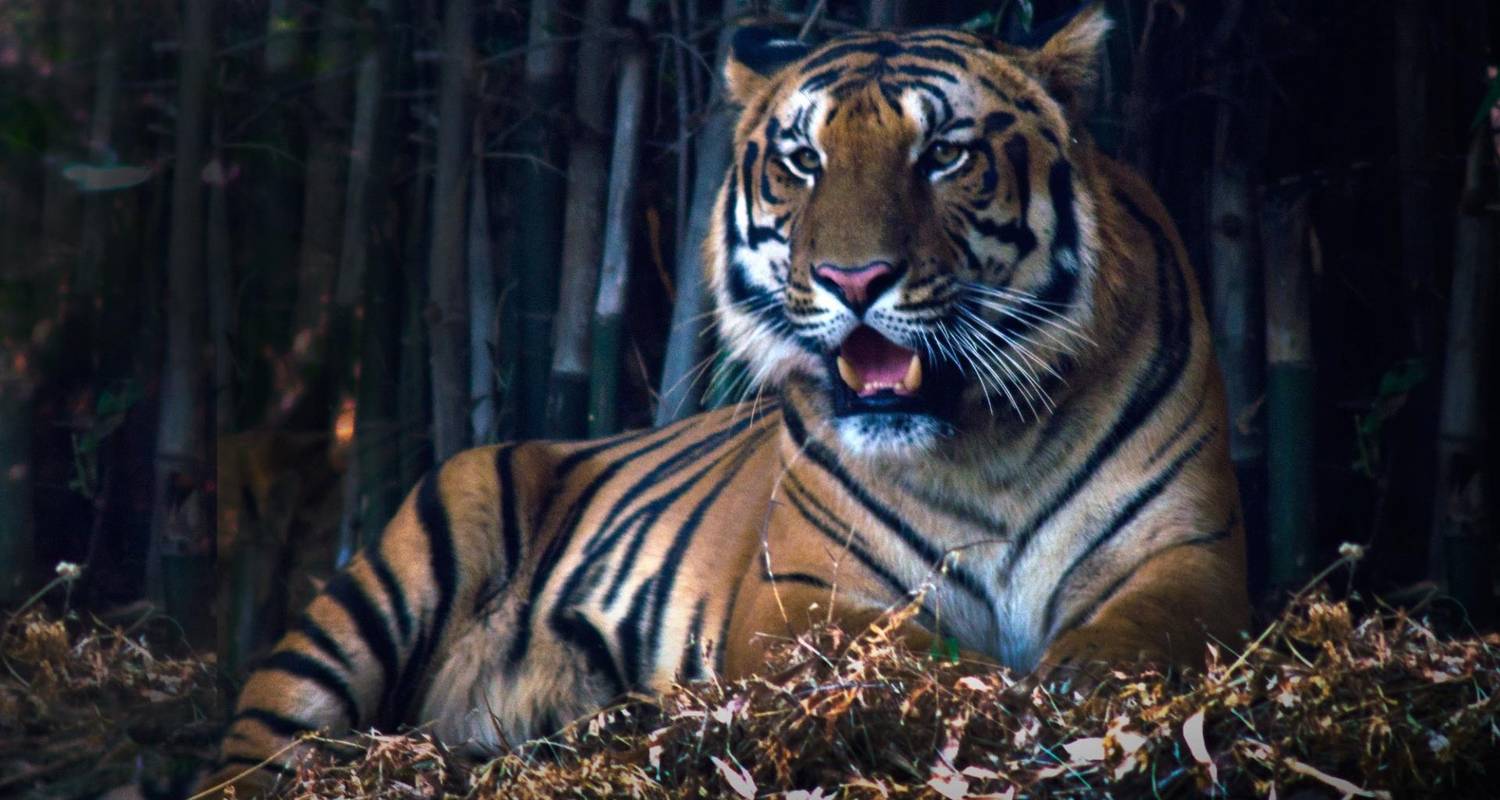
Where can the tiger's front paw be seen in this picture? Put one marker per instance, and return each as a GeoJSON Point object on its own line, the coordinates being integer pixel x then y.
{"type": "Point", "coordinates": [1082, 659]}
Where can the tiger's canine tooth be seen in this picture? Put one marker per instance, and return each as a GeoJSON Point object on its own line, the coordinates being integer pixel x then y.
{"type": "Point", "coordinates": [850, 376]}
{"type": "Point", "coordinates": [912, 381]}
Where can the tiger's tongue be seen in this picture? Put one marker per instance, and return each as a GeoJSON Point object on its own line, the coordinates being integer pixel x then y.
{"type": "Point", "coordinates": [879, 363]}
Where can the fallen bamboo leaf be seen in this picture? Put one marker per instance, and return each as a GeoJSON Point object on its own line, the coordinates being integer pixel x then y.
{"type": "Point", "coordinates": [1192, 732]}
{"type": "Point", "coordinates": [739, 779]}
{"type": "Point", "coordinates": [1338, 784]}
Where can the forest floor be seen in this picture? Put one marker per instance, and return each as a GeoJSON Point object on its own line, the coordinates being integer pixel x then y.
{"type": "Point", "coordinates": [1324, 702]}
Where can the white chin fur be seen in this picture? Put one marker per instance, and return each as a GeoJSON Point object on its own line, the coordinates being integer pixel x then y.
{"type": "Point", "coordinates": [890, 435]}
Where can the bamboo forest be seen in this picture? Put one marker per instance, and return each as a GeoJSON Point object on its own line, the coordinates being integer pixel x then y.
{"type": "Point", "coordinates": [265, 264]}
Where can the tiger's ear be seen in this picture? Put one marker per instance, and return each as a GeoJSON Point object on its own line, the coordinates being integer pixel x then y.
{"type": "Point", "coordinates": [1067, 63]}
{"type": "Point", "coordinates": [756, 54]}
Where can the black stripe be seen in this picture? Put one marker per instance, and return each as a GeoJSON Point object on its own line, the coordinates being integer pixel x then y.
{"type": "Point", "coordinates": [443, 561]}
{"type": "Point", "coordinates": [683, 459]}
{"type": "Point", "coordinates": [1083, 614]}
{"type": "Point", "coordinates": [412, 676]}
{"type": "Point", "coordinates": [1186, 422]}
{"type": "Point", "coordinates": [880, 48]}
{"type": "Point", "coordinates": [325, 643]}
{"type": "Point", "coordinates": [909, 536]}
{"type": "Point", "coordinates": [510, 520]}
{"type": "Point", "coordinates": [993, 88]}
{"type": "Point", "coordinates": [578, 631]}
{"type": "Point", "coordinates": [666, 577]}
{"type": "Point", "coordinates": [280, 724]}
{"type": "Point", "coordinates": [918, 71]}
{"type": "Point", "coordinates": [716, 649]}
{"type": "Point", "coordinates": [628, 633]}
{"type": "Point", "coordinates": [316, 672]}
{"type": "Point", "coordinates": [802, 578]}
{"type": "Point", "coordinates": [1018, 153]}
{"type": "Point", "coordinates": [997, 121]}
{"type": "Point", "coordinates": [1122, 519]}
{"type": "Point", "coordinates": [944, 36]}
{"type": "Point", "coordinates": [1161, 373]}
{"type": "Point", "coordinates": [821, 79]}
{"type": "Point", "coordinates": [559, 544]}
{"type": "Point", "coordinates": [892, 93]}
{"type": "Point", "coordinates": [967, 508]}
{"type": "Point", "coordinates": [755, 234]}
{"type": "Point", "coordinates": [393, 593]}
{"type": "Point", "coordinates": [368, 622]}
{"type": "Point", "coordinates": [940, 54]}
{"type": "Point", "coordinates": [1065, 226]}
{"type": "Point", "coordinates": [803, 503]}
{"type": "Point", "coordinates": [690, 664]}
{"type": "Point", "coordinates": [642, 521]}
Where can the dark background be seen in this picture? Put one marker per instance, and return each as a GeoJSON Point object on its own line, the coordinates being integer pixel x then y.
{"type": "Point", "coordinates": [244, 244]}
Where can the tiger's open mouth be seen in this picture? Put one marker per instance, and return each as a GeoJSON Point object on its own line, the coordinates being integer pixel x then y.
{"type": "Point", "coordinates": [876, 375]}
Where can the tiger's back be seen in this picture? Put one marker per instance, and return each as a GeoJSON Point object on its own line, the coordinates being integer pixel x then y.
{"type": "Point", "coordinates": [526, 584]}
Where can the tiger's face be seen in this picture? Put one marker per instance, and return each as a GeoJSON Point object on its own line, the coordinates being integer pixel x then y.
{"type": "Point", "coordinates": [905, 233]}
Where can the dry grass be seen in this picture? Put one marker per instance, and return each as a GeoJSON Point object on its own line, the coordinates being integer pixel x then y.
{"type": "Point", "coordinates": [1376, 706]}
{"type": "Point", "coordinates": [87, 706]}
{"type": "Point", "coordinates": [1373, 707]}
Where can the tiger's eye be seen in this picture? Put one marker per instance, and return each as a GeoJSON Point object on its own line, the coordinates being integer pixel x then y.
{"type": "Point", "coordinates": [805, 160]}
{"type": "Point", "coordinates": [944, 154]}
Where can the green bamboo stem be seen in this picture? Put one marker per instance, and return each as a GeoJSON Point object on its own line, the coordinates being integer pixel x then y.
{"type": "Point", "coordinates": [583, 241]}
{"type": "Point", "coordinates": [1290, 385]}
{"type": "Point", "coordinates": [539, 187]}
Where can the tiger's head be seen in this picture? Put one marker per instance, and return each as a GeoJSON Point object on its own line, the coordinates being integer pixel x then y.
{"type": "Point", "coordinates": [906, 233]}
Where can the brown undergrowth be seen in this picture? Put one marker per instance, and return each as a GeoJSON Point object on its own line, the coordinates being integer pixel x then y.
{"type": "Point", "coordinates": [1377, 706]}
{"type": "Point", "coordinates": [87, 706]}
{"type": "Point", "coordinates": [1323, 700]}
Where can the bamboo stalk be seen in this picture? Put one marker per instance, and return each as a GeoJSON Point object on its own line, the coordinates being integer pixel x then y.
{"type": "Point", "coordinates": [683, 376]}
{"type": "Point", "coordinates": [1290, 384]}
{"type": "Point", "coordinates": [583, 241]}
{"type": "Point", "coordinates": [1462, 513]}
{"type": "Point", "coordinates": [414, 427]}
{"type": "Point", "coordinates": [181, 552]}
{"type": "Point", "coordinates": [372, 64]}
{"type": "Point", "coordinates": [539, 188]}
{"type": "Point", "coordinates": [614, 273]}
{"type": "Point", "coordinates": [887, 14]}
{"type": "Point", "coordinates": [221, 302]}
{"type": "Point", "coordinates": [482, 310]}
{"type": "Point", "coordinates": [448, 336]}
{"type": "Point", "coordinates": [1236, 282]}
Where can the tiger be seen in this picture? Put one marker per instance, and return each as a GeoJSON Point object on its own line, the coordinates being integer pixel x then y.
{"type": "Point", "coordinates": [984, 386]}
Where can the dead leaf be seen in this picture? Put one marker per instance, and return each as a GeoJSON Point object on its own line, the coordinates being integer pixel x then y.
{"type": "Point", "coordinates": [1192, 732]}
{"type": "Point", "coordinates": [738, 778]}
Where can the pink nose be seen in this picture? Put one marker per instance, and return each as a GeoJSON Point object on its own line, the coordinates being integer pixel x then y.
{"type": "Point", "coordinates": [858, 286]}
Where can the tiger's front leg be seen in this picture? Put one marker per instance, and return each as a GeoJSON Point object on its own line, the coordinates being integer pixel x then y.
{"type": "Point", "coordinates": [1166, 611]}
{"type": "Point", "coordinates": [366, 648]}
{"type": "Point", "coordinates": [768, 613]}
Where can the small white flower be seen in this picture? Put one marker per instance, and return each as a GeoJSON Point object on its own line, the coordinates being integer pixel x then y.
{"type": "Point", "coordinates": [1438, 742]}
{"type": "Point", "coordinates": [1352, 551]}
{"type": "Point", "coordinates": [69, 571]}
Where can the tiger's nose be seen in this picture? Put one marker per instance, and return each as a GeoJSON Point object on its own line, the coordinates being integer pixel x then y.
{"type": "Point", "coordinates": [858, 287]}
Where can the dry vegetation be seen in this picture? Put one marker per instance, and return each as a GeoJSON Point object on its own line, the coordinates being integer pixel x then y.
{"type": "Point", "coordinates": [1322, 700]}
{"type": "Point", "coordinates": [88, 705]}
